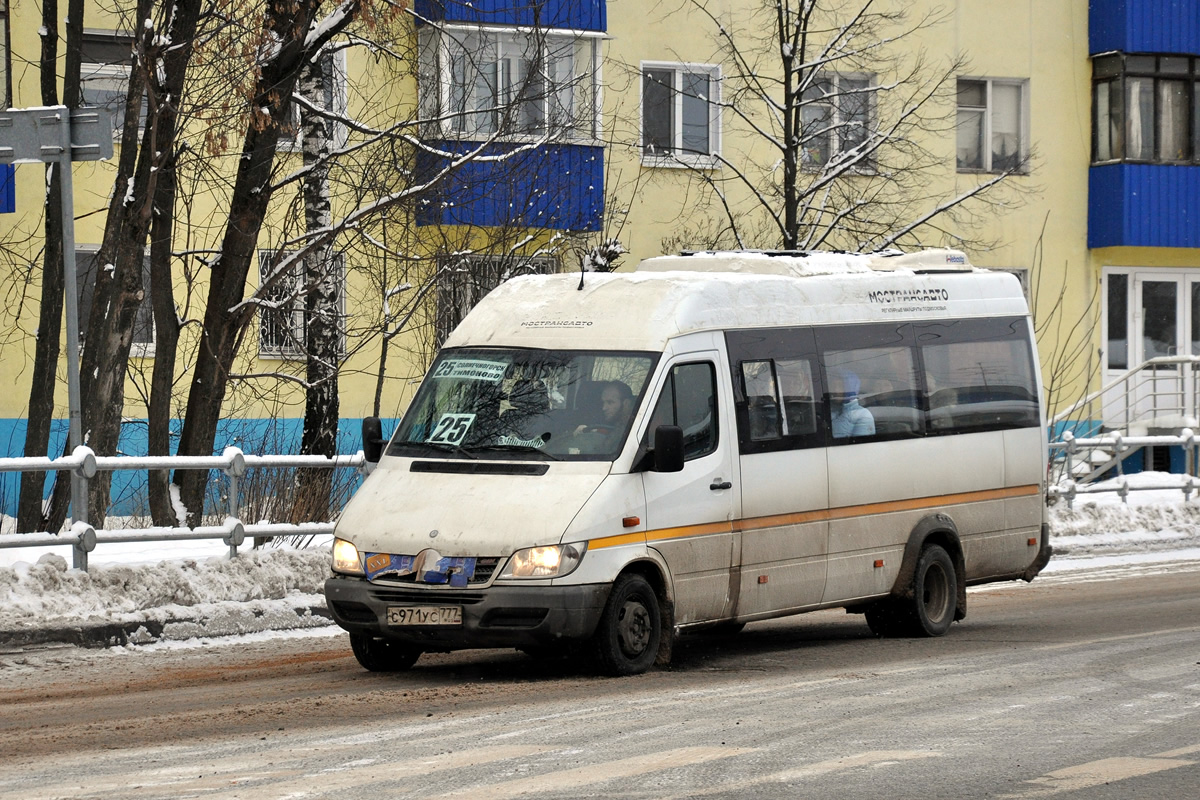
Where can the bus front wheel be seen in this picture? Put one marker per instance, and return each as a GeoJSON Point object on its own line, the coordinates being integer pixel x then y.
{"type": "Point", "coordinates": [630, 629]}
{"type": "Point", "coordinates": [381, 655]}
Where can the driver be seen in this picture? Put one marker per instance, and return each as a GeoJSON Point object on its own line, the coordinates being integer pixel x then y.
{"type": "Point", "coordinates": [616, 407]}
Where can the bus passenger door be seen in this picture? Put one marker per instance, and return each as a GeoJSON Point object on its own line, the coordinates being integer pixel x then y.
{"type": "Point", "coordinates": [689, 514]}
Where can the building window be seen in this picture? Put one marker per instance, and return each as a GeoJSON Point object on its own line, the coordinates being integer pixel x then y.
{"type": "Point", "coordinates": [483, 82]}
{"type": "Point", "coordinates": [835, 113]}
{"type": "Point", "coordinates": [681, 114]}
{"type": "Point", "coordinates": [87, 270]}
{"type": "Point", "coordinates": [991, 126]}
{"type": "Point", "coordinates": [281, 315]}
{"type": "Point", "coordinates": [1146, 108]}
{"type": "Point", "coordinates": [104, 75]}
{"type": "Point", "coordinates": [333, 101]}
{"type": "Point", "coordinates": [5, 58]}
{"type": "Point", "coordinates": [464, 280]}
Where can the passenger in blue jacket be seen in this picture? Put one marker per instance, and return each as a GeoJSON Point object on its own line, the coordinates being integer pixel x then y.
{"type": "Point", "coordinates": [849, 418]}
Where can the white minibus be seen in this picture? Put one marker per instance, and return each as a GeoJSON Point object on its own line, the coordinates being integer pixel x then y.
{"type": "Point", "coordinates": [712, 439]}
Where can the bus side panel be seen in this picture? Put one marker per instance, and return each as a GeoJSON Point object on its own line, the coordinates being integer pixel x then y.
{"type": "Point", "coordinates": [784, 530]}
{"type": "Point", "coordinates": [879, 491]}
{"type": "Point", "coordinates": [1007, 550]}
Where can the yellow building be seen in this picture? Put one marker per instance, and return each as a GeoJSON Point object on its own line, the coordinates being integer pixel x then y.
{"type": "Point", "coordinates": [587, 120]}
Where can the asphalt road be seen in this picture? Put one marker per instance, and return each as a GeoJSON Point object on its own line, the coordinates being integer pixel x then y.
{"type": "Point", "coordinates": [1080, 686]}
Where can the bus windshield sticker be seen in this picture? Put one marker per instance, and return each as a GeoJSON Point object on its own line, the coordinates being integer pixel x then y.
{"type": "Point", "coordinates": [451, 429]}
{"type": "Point", "coordinates": [471, 370]}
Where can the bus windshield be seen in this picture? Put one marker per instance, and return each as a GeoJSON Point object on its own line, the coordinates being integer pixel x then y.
{"type": "Point", "coordinates": [517, 403]}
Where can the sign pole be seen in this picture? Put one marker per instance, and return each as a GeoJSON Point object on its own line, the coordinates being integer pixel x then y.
{"type": "Point", "coordinates": [57, 135]}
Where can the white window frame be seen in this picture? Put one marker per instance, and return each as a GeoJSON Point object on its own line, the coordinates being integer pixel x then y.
{"type": "Point", "coordinates": [509, 44]}
{"type": "Point", "coordinates": [677, 158]}
{"type": "Point", "coordinates": [112, 78]}
{"type": "Point", "coordinates": [338, 133]}
{"type": "Point", "coordinates": [293, 349]}
{"type": "Point", "coordinates": [5, 57]}
{"type": "Point", "coordinates": [987, 110]}
{"type": "Point", "coordinates": [834, 103]}
{"type": "Point", "coordinates": [136, 349]}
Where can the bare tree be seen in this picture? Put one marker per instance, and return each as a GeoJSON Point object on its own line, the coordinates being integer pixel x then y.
{"type": "Point", "coordinates": [49, 332]}
{"type": "Point", "coordinates": [831, 108]}
{"type": "Point", "coordinates": [208, 78]}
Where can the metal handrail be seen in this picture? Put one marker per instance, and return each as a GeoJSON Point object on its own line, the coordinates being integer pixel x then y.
{"type": "Point", "coordinates": [1119, 444]}
{"type": "Point", "coordinates": [82, 461]}
{"type": "Point", "coordinates": [1124, 378]}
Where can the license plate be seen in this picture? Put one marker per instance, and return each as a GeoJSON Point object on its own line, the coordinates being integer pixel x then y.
{"type": "Point", "coordinates": [424, 615]}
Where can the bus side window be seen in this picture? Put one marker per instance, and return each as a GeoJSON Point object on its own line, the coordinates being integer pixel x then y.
{"type": "Point", "coordinates": [799, 402]}
{"type": "Point", "coordinates": [762, 400]}
{"type": "Point", "coordinates": [980, 385]}
{"type": "Point", "coordinates": [884, 385]}
{"type": "Point", "coordinates": [689, 400]}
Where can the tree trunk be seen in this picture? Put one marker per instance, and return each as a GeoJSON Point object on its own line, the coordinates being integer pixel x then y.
{"type": "Point", "coordinates": [118, 290]}
{"type": "Point", "coordinates": [289, 23]}
{"type": "Point", "coordinates": [164, 100]}
{"type": "Point", "coordinates": [322, 320]}
{"type": "Point", "coordinates": [30, 513]}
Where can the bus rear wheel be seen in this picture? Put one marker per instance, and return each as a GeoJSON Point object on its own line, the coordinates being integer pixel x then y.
{"type": "Point", "coordinates": [630, 629]}
{"type": "Point", "coordinates": [382, 655]}
{"type": "Point", "coordinates": [931, 609]}
{"type": "Point", "coordinates": [935, 592]}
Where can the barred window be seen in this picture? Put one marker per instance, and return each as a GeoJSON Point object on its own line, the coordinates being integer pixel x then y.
{"type": "Point", "coordinates": [282, 315]}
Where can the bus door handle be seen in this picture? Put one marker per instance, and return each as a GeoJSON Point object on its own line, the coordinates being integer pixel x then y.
{"type": "Point", "coordinates": [718, 484]}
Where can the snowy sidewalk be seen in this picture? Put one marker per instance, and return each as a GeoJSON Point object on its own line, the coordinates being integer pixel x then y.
{"type": "Point", "coordinates": [140, 594]}
{"type": "Point", "coordinates": [179, 593]}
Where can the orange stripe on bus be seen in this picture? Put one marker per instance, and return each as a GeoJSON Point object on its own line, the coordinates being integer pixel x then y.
{"type": "Point", "coordinates": [820, 515]}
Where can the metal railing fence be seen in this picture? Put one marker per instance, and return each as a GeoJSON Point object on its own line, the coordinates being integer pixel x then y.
{"type": "Point", "coordinates": [1158, 387]}
{"type": "Point", "coordinates": [233, 463]}
{"type": "Point", "coordinates": [1071, 447]}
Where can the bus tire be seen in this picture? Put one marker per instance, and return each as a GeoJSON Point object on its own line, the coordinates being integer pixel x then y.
{"type": "Point", "coordinates": [931, 608]}
{"type": "Point", "coordinates": [935, 593]}
{"type": "Point", "coordinates": [382, 655]}
{"type": "Point", "coordinates": [627, 638]}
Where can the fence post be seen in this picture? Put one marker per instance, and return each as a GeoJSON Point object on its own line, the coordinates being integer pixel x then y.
{"type": "Point", "coordinates": [80, 476]}
{"type": "Point", "coordinates": [235, 471]}
{"type": "Point", "coordinates": [1069, 438]}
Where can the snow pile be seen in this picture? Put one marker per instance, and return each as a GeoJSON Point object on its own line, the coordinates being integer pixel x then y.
{"type": "Point", "coordinates": [260, 583]}
{"type": "Point", "coordinates": [189, 589]}
{"type": "Point", "coordinates": [1151, 519]}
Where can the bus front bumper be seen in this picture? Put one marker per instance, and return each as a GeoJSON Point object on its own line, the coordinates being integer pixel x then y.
{"type": "Point", "coordinates": [498, 616]}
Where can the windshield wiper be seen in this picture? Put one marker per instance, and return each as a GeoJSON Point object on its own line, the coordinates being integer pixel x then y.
{"type": "Point", "coordinates": [517, 448]}
{"type": "Point", "coordinates": [444, 447]}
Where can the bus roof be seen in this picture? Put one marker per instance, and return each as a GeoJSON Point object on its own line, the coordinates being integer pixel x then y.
{"type": "Point", "coordinates": [672, 295]}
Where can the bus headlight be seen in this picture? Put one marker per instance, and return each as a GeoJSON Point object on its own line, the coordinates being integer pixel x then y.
{"type": "Point", "coordinates": [551, 561]}
{"type": "Point", "coordinates": [346, 558]}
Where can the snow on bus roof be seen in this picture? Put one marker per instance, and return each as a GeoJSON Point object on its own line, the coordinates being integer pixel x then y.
{"type": "Point", "coordinates": [642, 310]}
{"type": "Point", "coordinates": [798, 264]}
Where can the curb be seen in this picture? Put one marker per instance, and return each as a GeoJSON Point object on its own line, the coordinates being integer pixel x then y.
{"type": "Point", "coordinates": [102, 634]}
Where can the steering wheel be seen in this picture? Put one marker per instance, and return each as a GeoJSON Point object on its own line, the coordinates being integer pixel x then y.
{"type": "Point", "coordinates": [601, 428]}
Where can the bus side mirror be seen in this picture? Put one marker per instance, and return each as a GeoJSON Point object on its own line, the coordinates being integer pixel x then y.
{"type": "Point", "coordinates": [372, 439]}
{"type": "Point", "coordinates": [668, 448]}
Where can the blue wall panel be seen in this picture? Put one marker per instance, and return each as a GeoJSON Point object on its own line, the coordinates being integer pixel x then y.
{"type": "Point", "coordinates": [129, 495]}
{"type": "Point", "coordinates": [8, 188]}
{"type": "Point", "coordinates": [583, 15]}
{"type": "Point", "coordinates": [1143, 205]}
{"type": "Point", "coordinates": [560, 187]}
{"type": "Point", "coordinates": [1144, 26]}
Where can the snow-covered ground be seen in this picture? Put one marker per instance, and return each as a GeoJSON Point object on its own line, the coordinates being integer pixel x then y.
{"type": "Point", "coordinates": [170, 586]}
